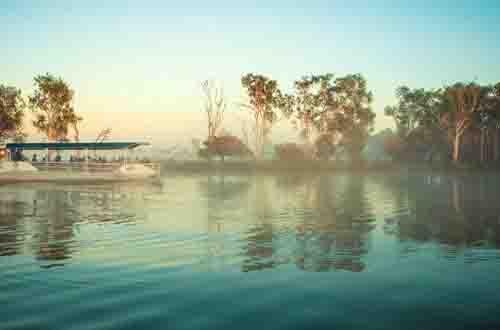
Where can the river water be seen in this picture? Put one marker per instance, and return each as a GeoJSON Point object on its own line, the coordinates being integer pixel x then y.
{"type": "Point", "coordinates": [395, 250]}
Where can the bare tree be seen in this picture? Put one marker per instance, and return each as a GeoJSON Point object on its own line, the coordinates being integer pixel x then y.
{"type": "Point", "coordinates": [214, 106]}
{"type": "Point", "coordinates": [103, 135]}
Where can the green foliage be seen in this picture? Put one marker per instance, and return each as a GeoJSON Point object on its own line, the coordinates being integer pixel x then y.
{"type": "Point", "coordinates": [52, 105]}
{"type": "Point", "coordinates": [334, 105]}
{"type": "Point", "coordinates": [314, 97]}
{"type": "Point", "coordinates": [11, 111]}
{"type": "Point", "coordinates": [417, 107]}
{"type": "Point", "coordinates": [264, 95]}
{"type": "Point", "coordinates": [436, 120]}
{"type": "Point", "coordinates": [265, 99]}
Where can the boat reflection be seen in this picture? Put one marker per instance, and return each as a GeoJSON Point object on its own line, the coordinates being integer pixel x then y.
{"type": "Point", "coordinates": [43, 220]}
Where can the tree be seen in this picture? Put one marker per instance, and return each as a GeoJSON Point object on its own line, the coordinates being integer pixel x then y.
{"type": "Point", "coordinates": [354, 117]}
{"type": "Point", "coordinates": [214, 106]}
{"type": "Point", "coordinates": [11, 112]}
{"type": "Point", "coordinates": [468, 113]}
{"type": "Point", "coordinates": [465, 100]}
{"type": "Point", "coordinates": [52, 104]}
{"type": "Point", "coordinates": [314, 100]}
{"type": "Point", "coordinates": [265, 99]}
{"type": "Point", "coordinates": [224, 146]}
{"type": "Point", "coordinates": [335, 109]}
{"type": "Point", "coordinates": [416, 107]}
{"type": "Point", "coordinates": [103, 135]}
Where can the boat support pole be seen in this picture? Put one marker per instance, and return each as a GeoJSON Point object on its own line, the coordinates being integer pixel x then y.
{"type": "Point", "coordinates": [87, 159]}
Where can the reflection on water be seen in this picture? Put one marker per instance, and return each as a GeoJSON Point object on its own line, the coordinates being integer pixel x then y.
{"type": "Point", "coordinates": [318, 223]}
{"type": "Point", "coordinates": [460, 214]}
{"type": "Point", "coordinates": [42, 221]}
{"type": "Point", "coordinates": [290, 224]}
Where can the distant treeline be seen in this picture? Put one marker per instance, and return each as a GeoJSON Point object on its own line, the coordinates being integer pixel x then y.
{"type": "Point", "coordinates": [334, 112]}
{"type": "Point", "coordinates": [459, 123]}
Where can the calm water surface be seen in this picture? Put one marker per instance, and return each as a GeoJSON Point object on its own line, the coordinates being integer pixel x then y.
{"type": "Point", "coordinates": [381, 251]}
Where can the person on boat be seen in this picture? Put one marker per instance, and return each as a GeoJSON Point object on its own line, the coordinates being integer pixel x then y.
{"type": "Point", "coordinates": [58, 158]}
{"type": "Point", "coordinates": [18, 156]}
{"type": "Point", "coordinates": [34, 159]}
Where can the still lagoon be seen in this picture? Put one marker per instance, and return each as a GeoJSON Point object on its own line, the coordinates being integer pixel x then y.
{"type": "Point", "coordinates": [400, 250]}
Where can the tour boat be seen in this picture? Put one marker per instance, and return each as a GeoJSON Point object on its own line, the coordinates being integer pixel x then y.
{"type": "Point", "coordinates": [14, 167]}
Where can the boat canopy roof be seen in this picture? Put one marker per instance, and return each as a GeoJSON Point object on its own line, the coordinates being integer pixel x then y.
{"type": "Point", "coordinates": [76, 146]}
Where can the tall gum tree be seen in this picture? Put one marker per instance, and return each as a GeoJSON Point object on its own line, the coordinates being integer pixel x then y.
{"type": "Point", "coordinates": [355, 112]}
{"type": "Point", "coordinates": [264, 102]}
{"type": "Point", "coordinates": [465, 100]}
{"type": "Point", "coordinates": [11, 112]}
{"type": "Point", "coordinates": [52, 103]}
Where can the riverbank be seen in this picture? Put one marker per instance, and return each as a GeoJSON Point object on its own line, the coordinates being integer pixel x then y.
{"type": "Point", "coordinates": [65, 178]}
{"type": "Point", "coordinates": [274, 166]}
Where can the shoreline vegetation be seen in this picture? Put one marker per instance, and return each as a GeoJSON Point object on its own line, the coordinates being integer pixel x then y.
{"type": "Point", "coordinates": [456, 127]}
{"type": "Point", "coordinates": [311, 166]}
{"type": "Point", "coordinates": [274, 166]}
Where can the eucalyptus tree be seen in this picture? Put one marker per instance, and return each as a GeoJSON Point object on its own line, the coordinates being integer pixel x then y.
{"type": "Point", "coordinates": [487, 120]}
{"type": "Point", "coordinates": [52, 103]}
{"type": "Point", "coordinates": [465, 102]}
{"type": "Point", "coordinates": [314, 100]}
{"type": "Point", "coordinates": [496, 115]}
{"type": "Point", "coordinates": [416, 107]}
{"type": "Point", "coordinates": [354, 116]}
{"type": "Point", "coordinates": [420, 118]}
{"type": "Point", "coordinates": [11, 112]}
{"type": "Point", "coordinates": [265, 99]}
{"type": "Point", "coordinates": [335, 109]}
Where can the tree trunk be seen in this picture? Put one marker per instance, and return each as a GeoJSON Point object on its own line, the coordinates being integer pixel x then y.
{"type": "Point", "coordinates": [488, 146]}
{"type": "Point", "coordinates": [257, 133]}
{"type": "Point", "coordinates": [495, 145]}
{"type": "Point", "coordinates": [456, 147]}
{"type": "Point", "coordinates": [482, 146]}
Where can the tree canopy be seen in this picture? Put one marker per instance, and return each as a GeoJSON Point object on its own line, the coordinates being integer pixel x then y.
{"type": "Point", "coordinates": [11, 111]}
{"type": "Point", "coordinates": [52, 103]}
{"type": "Point", "coordinates": [466, 115]}
{"type": "Point", "coordinates": [265, 98]}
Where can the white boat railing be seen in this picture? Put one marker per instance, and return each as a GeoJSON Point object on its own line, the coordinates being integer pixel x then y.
{"type": "Point", "coordinates": [91, 166]}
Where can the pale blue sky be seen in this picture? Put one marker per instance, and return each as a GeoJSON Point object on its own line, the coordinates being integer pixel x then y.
{"type": "Point", "coordinates": [151, 55]}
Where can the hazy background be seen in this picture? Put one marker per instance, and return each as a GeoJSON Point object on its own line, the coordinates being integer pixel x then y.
{"type": "Point", "coordinates": [136, 66]}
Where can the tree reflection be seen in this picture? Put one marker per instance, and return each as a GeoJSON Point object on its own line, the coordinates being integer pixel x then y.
{"type": "Point", "coordinates": [259, 238]}
{"type": "Point", "coordinates": [329, 233]}
{"type": "Point", "coordinates": [457, 212]}
{"type": "Point", "coordinates": [221, 194]}
{"type": "Point", "coordinates": [335, 238]}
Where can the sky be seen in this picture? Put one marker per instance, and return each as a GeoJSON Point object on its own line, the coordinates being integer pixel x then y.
{"type": "Point", "coordinates": [131, 59]}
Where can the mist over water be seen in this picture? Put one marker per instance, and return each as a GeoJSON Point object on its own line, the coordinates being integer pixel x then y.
{"type": "Point", "coordinates": [213, 251]}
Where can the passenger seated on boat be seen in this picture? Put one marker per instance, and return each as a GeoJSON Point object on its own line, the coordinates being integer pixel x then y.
{"type": "Point", "coordinates": [17, 156]}
{"type": "Point", "coordinates": [58, 158]}
{"type": "Point", "coordinates": [35, 158]}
